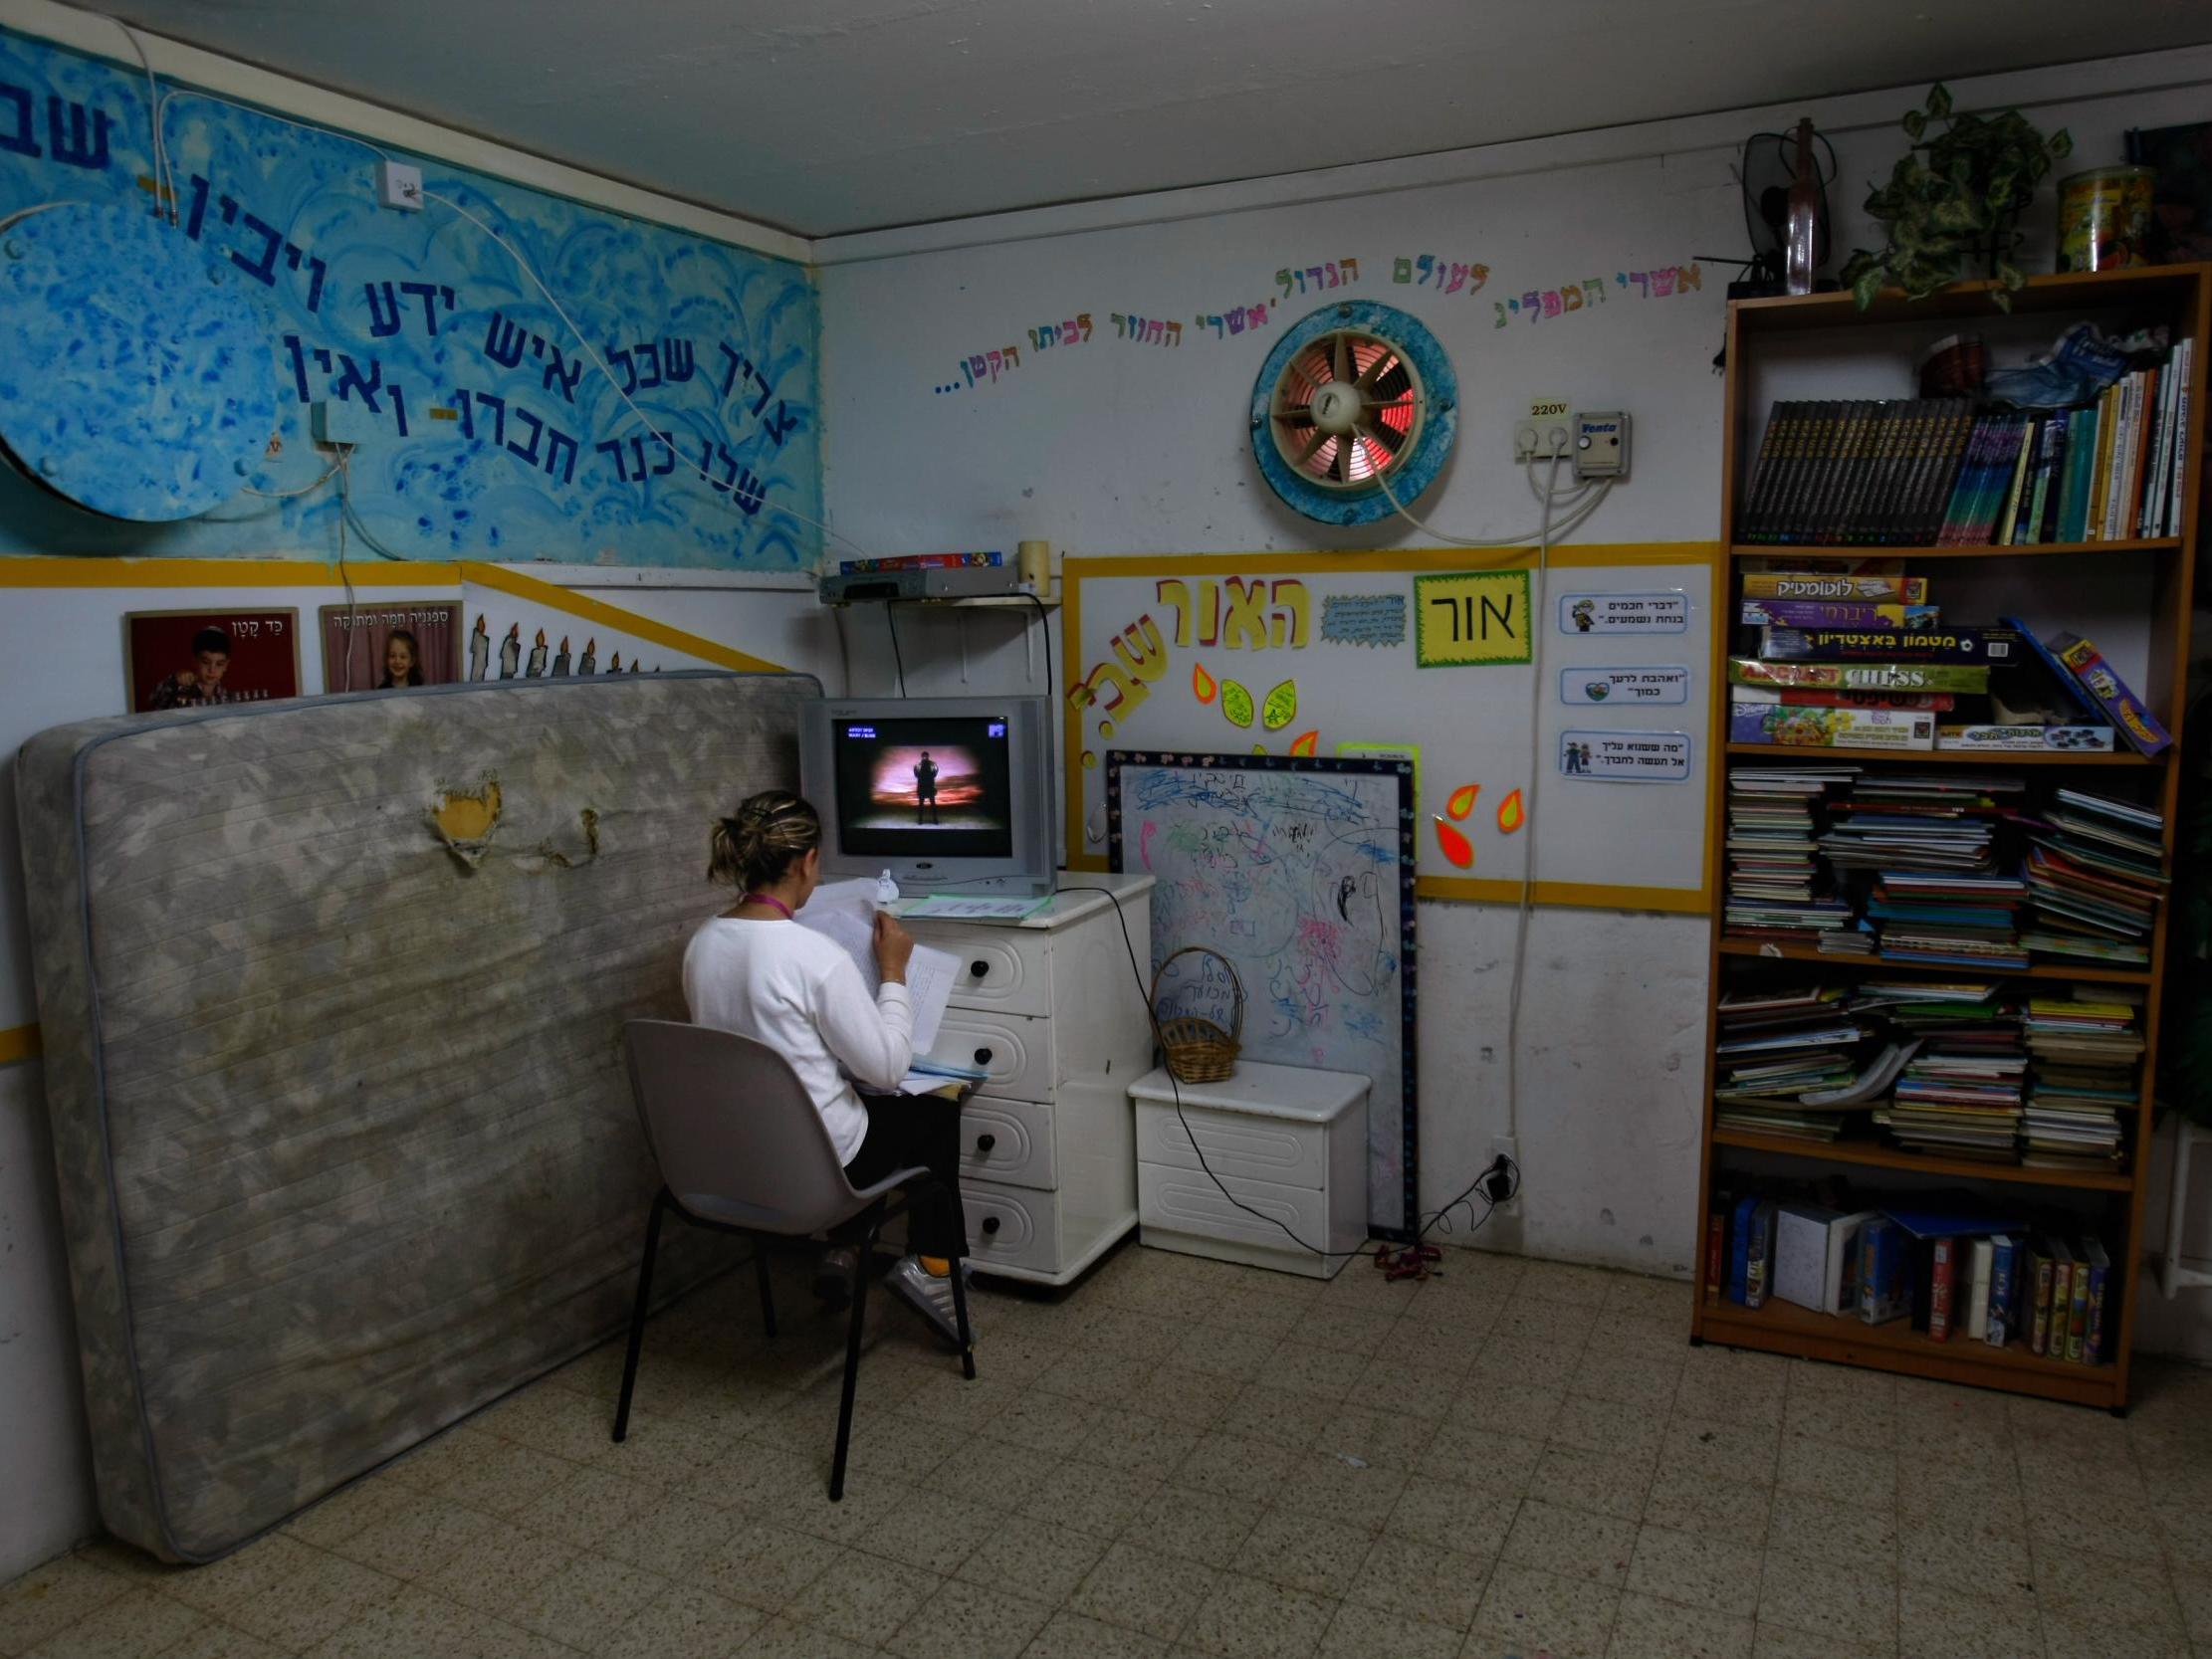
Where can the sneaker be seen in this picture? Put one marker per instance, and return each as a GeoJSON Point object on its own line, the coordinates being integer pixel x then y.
{"type": "Point", "coordinates": [932, 1298]}
{"type": "Point", "coordinates": [833, 1277]}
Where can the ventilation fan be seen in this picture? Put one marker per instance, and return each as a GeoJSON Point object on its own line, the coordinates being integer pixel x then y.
{"type": "Point", "coordinates": [1354, 395]}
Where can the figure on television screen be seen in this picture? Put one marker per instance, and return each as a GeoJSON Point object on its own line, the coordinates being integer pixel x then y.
{"type": "Point", "coordinates": [402, 660]}
{"type": "Point", "coordinates": [924, 790]}
{"type": "Point", "coordinates": [200, 685]}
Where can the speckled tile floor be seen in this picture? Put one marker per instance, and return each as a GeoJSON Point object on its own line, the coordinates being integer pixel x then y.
{"type": "Point", "coordinates": [1183, 1458]}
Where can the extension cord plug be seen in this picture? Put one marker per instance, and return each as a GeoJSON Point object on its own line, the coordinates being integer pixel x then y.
{"type": "Point", "coordinates": [1497, 1185]}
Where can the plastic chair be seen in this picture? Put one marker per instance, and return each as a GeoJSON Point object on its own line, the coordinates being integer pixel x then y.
{"type": "Point", "coordinates": [742, 1149]}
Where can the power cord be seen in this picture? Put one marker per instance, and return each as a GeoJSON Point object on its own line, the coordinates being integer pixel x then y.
{"type": "Point", "coordinates": [891, 622]}
{"type": "Point", "coordinates": [1500, 1169]}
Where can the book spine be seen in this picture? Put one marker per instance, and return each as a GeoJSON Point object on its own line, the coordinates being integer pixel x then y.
{"type": "Point", "coordinates": [2183, 442]}
{"type": "Point", "coordinates": [1939, 1290]}
{"type": "Point", "coordinates": [1758, 1270]}
{"type": "Point", "coordinates": [1762, 473]}
{"type": "Point", "coordinates": [2082, 448]}
{"type": "Point", "coordinates": [1826, 510]}
{"type": "Point", "coordinates": [2061, 1290]}
{"type": "Point", "coordinates": [2023, 460]}
{"type": "Point", "coordinates": [1817, 453]}
{"type": "Point", "coordinates": [1964, 482]}
{"type": "Point", "coordinates": [1933, 482]}
{"type": "Point", "coordinates": [2047, 506]}
{"type": "Point", "coordinates": [2039, 1300]}
{"type": "Point", "coordinates": [2078, 1312]}
{"type": "Point", "coordinates": [2092, 1341]}
{"type": "Point", "coordinates": [2067, 489]}
{"type": "Point", "coordinates": [2146, 461]}
{"type": "Point", "coordinates": [1716, 1245]}
{"type": "Point", "coordinates": [1739, 1248]}
{"type": "Point", "coordinates": [2000, 1291]}
{"type": "Point", "coordinates": [1864, 502]}
{"type": "Point", "coordinates": [2028, 528]}
{"type": "Point", "coordinates": [2107, 422]}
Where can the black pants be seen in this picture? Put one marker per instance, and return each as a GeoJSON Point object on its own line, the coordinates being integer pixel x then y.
{"type": "Point", "coordinates": [909, 1130]}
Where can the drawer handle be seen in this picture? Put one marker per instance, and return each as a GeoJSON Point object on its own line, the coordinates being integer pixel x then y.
{"type": "Point", "coordinates": [990, 1224]}
{"type": "Point", "coordinates": [980, 969]}
{"type": "Point", "coordinates": [983, 1057]}
{"type": "Point", "coordinates": [983, 1142]}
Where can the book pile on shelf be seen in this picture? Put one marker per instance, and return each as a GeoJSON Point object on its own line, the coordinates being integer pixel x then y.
{"type": "Point", "coordinates": [2087, 1057]}
{"type": "Point", "coordinates": [2096, 871]}
{"type": "Point", "coordinates": [1935, 472]}
{"type": "Point", "coordinates": [1960, 1093]}
{"type": "Point", "coordinates": [1929, 841]}
{"type": "Point", "coordinates": [1951, 1274]}
{"type": "Point", "coordinates": [1848, 654]}
{"type": "Point", "coordinates": [1772, 870]}
{"type": "Point", "coordinates": [1778, 1053]}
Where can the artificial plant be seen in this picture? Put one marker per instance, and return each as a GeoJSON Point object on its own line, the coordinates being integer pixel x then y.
{"type": "Point", "coordinates": [1953, 200]}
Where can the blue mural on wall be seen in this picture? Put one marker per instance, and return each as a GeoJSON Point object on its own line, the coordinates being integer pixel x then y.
{"type": "Point", "coordinates": [485, 431]}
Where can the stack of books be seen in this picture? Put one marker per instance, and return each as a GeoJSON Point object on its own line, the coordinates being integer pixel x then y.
{"type": "Point", "coordinates": [1775, 890]}
{"type": "Point", "coordinates": [2096, 871]}
{"type": "Point", "coordinates": [1777, 1046]}
{"type": "Point", "coordinates": [1961, 1094]}
{"type": "Point", "coordinates": [2087, 1054]}
{"type": "Point", "coordinates": [1935, 472]}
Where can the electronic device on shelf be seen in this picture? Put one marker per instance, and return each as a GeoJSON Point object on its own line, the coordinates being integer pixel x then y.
{"type": "Point", "coordinates": [945, 793]}
{"type": "Point", "coordinates": [953, 582]}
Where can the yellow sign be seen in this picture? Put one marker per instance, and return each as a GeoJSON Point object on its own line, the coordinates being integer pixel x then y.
{"type": "Point", "coordinates": [1472, 617]}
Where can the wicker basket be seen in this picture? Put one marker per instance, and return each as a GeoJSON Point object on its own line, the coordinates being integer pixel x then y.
{"type": "Point", "coordinates": [1198, 1050]}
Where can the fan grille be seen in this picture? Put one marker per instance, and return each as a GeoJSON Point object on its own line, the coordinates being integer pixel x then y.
{"type": "Point", "coordinates": [1345, 439]}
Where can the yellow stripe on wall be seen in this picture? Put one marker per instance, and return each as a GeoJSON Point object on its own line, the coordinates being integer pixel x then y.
{"type": "Point", "coordinates": [32, 571]}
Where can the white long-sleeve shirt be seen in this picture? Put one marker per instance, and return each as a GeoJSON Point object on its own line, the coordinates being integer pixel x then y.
{"type": "Point", "coordinates": [788, 987]}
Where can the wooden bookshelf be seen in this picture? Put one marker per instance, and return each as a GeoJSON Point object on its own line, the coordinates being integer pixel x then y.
{"type": "Point", "coordinates": [1829, 326]}
{"type": "Point", "coordinates": [2153, 544]}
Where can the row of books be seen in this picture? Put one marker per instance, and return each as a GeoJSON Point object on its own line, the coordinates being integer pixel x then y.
{"type": "Point", "coordinates": [1955, 1070]}
{"type": "Point", "coordinates": [1942, 868]}
{"type": "Point", "coordinates": [1937, 472]}
{"type": "Point", "coordinates": [1957, 1277]}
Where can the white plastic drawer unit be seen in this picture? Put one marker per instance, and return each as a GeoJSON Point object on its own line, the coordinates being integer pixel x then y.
{"type": "Point", "coordinates": [1013, 1052]}
{"type": "Point", "coordinates": [1006, 1140]}
{"type": "Point", "coordinates": [1003, 968]}
{"type": "Point", "coordinates": [1287, 1141]}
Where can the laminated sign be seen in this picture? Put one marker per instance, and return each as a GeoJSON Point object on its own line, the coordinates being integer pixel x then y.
{"type": "Point", "coordinates": [1626, 757]}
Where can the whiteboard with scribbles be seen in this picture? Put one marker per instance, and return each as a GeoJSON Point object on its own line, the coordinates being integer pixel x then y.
{"type": "Point", "coordinates": [1300, 874]}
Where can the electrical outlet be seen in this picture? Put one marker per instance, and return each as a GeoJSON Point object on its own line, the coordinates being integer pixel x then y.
{"type": "Point", "coordinates": [400, 185]}
{"type": "Point", "coordinates": [1541, 439]}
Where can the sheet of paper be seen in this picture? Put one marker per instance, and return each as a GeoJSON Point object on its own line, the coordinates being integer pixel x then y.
{"type": "Point", "coordinates": [972, 908]}
{"type": "Point", "coordinates": [847, 921]}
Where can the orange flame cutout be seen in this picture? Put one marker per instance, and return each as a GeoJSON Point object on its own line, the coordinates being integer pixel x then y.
{"type": "Point", "coordinates": [1304, 742]}
{"type": "Point", "coordinates": [1510, 817]}
{"type": "Point", "coordinates": [1456, 846]}
{"type": "Point", "coordinates": [1462, 799]}
{"type": "Point", "coordinates": [1201, 683]}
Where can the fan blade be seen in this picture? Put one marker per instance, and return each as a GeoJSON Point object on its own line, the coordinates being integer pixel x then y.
{"type": "Point", "coordinates": [1340, 359]}
{"type": "Point", "coordinates": [1319, 437]}
{"type": "Point", "coordinates": [1297, 414]}
{"type": "Point", "coordinates": [1384, 363]}
{"type": "Point", "coordinates": [1389, 437]}
{"type": "Point", "coordinates": [1340, 465]}
{"type": "Point", "coordinates": [1394, 381]}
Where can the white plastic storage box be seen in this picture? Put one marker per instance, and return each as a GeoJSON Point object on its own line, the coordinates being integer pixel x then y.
{"type": "Point", "coordinates": [1289, 1141]}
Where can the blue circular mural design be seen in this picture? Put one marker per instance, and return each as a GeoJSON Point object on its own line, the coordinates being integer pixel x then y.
{"type": "Point", "coordinates": [1432, 446]}
{"type": "Point", "coordinates": [139, 380]}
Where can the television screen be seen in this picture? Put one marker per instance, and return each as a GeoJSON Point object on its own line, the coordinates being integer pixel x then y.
{"type": "Point", "coordinates": [924, 787]}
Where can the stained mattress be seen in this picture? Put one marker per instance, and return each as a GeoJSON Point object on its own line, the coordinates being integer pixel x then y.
{"type": "Point", "coordinates": [332, 995]}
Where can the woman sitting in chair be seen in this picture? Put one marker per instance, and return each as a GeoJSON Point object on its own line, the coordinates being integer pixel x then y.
{"type": "Point", "coordinates": [754, 970]}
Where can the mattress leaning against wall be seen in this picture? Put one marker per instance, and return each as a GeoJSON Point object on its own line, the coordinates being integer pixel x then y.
{"type": "Point", "coordinates": [331, 997]}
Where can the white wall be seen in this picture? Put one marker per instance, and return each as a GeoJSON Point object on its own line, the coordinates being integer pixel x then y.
{"type": "Point", "coordinates": [1108, 447]}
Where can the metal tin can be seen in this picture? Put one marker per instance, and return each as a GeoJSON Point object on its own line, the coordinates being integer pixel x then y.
{"type": "Point", "coordinates": [2105, 218]}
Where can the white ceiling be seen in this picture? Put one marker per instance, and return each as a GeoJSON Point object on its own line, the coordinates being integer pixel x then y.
{"type": "Point", "coordinates": [825, 116]}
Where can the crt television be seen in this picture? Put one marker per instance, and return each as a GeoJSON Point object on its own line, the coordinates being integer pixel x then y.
{"type": "Point", "coordinates": [947, 793]}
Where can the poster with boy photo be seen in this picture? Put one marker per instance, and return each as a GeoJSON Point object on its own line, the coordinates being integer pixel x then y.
{"type": "Point", "coordinates": [390, 644]}
{"type": "Point", "coordinates": [205, 658]}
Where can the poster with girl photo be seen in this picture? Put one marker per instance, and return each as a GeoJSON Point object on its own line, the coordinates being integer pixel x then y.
{"type": "Point", "coordinates": [390, 644]}
{"type": "Point", "coordinates": [203, 659]}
